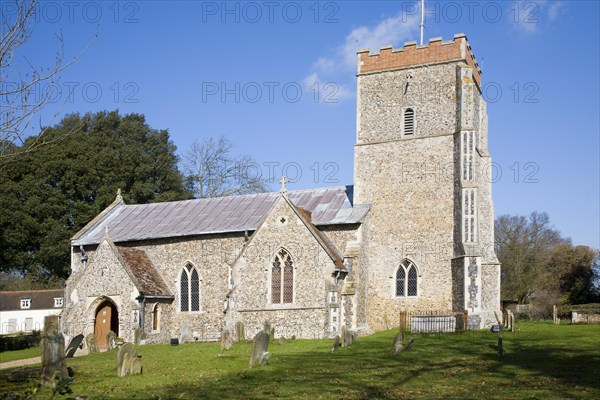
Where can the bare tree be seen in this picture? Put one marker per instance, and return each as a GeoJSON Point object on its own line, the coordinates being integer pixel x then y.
{"type": "Point", "coordinates": [524, 246]}
{"type": "Point", "coordinates": [212, 171]}
{"type": "Point", "coordinates": [21, 97]}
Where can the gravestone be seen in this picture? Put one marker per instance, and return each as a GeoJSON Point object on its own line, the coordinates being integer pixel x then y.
{"type": "Point", "coordinates": [348, 337]}
{"type": "Point", "coordinates": [226, 340]}
{"type": "Point", "coordinates": [260, 345]}
{"type": "Point", "coordinates": [73, 345]}
{"type": "Point", "coordinates": [398, 345]}
{"type": "Point", "coordinates": [501, 351]}
{"type": "Point", "coordinates": [336, 344]}
{"type": "Point", "coordinates": [240, 334]}
{"type": "Point", "coordinates": [386, 322]}
{"type": "Point", "coordinates": [185, 334]}
{"type": "Point", "coordinates": [111, 339]}
{"type": "Point", "coordinates": [129, 362]}
{"type": "Point", "coordinates": [512, 322]}
{"type": "Point", "coordinates": [54, 366]}
{"type": "Point", "coordinates": [91, 342]}
{"type": "Point", "coordinates": [138, 335]}
{"type": "Point", "coordinates": [267, 327]}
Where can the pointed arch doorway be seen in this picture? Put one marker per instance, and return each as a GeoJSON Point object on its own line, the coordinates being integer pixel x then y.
{"type": "Point", "coordinates": [106, 319]}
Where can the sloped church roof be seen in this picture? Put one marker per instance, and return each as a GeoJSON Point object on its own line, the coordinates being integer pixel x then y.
{"type": "Point", "coordinates": [327, 206]}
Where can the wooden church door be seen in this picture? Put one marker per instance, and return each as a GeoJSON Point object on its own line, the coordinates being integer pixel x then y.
{"type": "Point", "coordinates": [106, 320]}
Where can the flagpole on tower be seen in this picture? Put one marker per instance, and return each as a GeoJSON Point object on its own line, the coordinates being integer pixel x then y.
{"type": "Point", "coordinates": [422, 19]}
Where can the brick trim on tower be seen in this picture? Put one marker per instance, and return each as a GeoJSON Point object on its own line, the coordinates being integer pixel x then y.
{"type": "Point", "coordinates": [412, 55]}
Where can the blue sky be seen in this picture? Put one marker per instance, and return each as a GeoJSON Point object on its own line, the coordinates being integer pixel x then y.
{"type": "Point", "coordinates": [278, 79]}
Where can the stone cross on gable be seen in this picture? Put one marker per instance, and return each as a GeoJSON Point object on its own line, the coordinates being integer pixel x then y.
{"type": "Point", "coordinates": [283, 181]}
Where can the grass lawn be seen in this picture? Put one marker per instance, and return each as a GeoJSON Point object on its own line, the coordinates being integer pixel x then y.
{"type": "Point", "coordinates": [31, 352]}
{"type": "Point", "coordinates": [543, 361]}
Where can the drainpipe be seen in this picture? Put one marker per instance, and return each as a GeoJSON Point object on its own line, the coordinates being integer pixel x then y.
{"type": "Point", "coordinates": [84, 256]}
{"type": "Point", "coordinates": [142, 299]}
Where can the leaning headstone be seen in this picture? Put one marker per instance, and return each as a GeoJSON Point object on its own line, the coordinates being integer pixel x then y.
{"type": "Point", "coordinates": [111, 339]}
{"type": "Point", "coordinates": [240, 334]}
{"type": "Point", "coordinates": [129, 362]}
{"type": "Point", "coordinates": [74, 345]}
{"type": "Point", "coordinates": [185, 334]}
{"type": "Point", "coordinates": [259, 349]}
{"type": "Point", "coordinates": [398, 346]}
{"type": "Point", "coordinates": [91, 342]}
{"type": "Point", "coordinates": [54, 366]}
{"type": "Point", "coordinates": [264, 359]}
{"type": "Point", "coordinates": [336, 344]}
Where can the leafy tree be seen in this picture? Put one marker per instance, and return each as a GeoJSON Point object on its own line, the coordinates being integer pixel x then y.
{"type": "Point", "coordinates": [212, 171]}
{"type": "Point", "coordinates": [48, 195]}
{"type": "Point", "coordinates": [524, 246]}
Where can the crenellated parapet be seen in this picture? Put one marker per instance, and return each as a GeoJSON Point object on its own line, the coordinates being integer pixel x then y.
{"type": "Point", "coordinates": [412, 55]}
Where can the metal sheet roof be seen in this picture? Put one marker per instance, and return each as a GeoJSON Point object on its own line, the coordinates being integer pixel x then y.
{"type": "Point", "coordinates": [216, 215]}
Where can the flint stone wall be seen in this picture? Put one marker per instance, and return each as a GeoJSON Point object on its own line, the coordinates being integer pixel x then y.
{"type": "Point", "coordinates": [251, 299]}
{"type": "Point", "coordinates": [103, 278]}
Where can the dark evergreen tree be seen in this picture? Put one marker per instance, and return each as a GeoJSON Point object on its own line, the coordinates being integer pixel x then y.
{"type": "Point", "coordinates": [47, 195]}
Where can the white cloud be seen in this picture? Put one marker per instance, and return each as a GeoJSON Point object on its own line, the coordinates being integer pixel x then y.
{"type": "Point", "coordinates": [334, 67]}
{"type": "Point", "coordinates": [328, 91]}
{"type": "Point", "coordinates": [555, 10]}
{"type": "Point", "coordinates": [531, 16]}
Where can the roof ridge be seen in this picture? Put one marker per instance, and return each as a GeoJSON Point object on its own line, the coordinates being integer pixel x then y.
{"type": "Point", "coordinates": [218, 215]}
{"type": "Point", "coordinates": [31, 291]}
{"type": "Point", "coordinates": [237, 195]}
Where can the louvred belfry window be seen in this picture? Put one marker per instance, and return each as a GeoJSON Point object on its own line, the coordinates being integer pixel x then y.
{"type": "Point", "coordinates": [282, 278]}
{"type": "Point", "coordinates": [408, 123]}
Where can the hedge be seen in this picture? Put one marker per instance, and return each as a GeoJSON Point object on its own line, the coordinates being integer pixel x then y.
{"type": "Point", "coordinates": [19, 341]}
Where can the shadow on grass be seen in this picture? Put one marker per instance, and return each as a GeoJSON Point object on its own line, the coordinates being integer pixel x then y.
{"type": "Point", "coordinates": [437, 366]}
{"type": "Point", "coordinates": [537, 365]}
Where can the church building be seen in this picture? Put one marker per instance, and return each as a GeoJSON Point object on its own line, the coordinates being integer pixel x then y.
{"type": "Point", "coordinates": [414, 233]}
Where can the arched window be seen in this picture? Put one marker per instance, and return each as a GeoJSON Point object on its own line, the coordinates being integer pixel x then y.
{"type": "Point", "coordinates": [156, 317]}
{"type": "Point", "coordinates": [189, 289]}
{"type": "Point", "coordinates": [406, 279]}
{"type": "Point", "coordinates": [282, 278]}
{"type": "Point", "coordinates": [408, 121]}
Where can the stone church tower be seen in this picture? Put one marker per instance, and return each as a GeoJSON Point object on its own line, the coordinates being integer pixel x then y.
{"type": "Point", "coordinates": [421, 161]}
